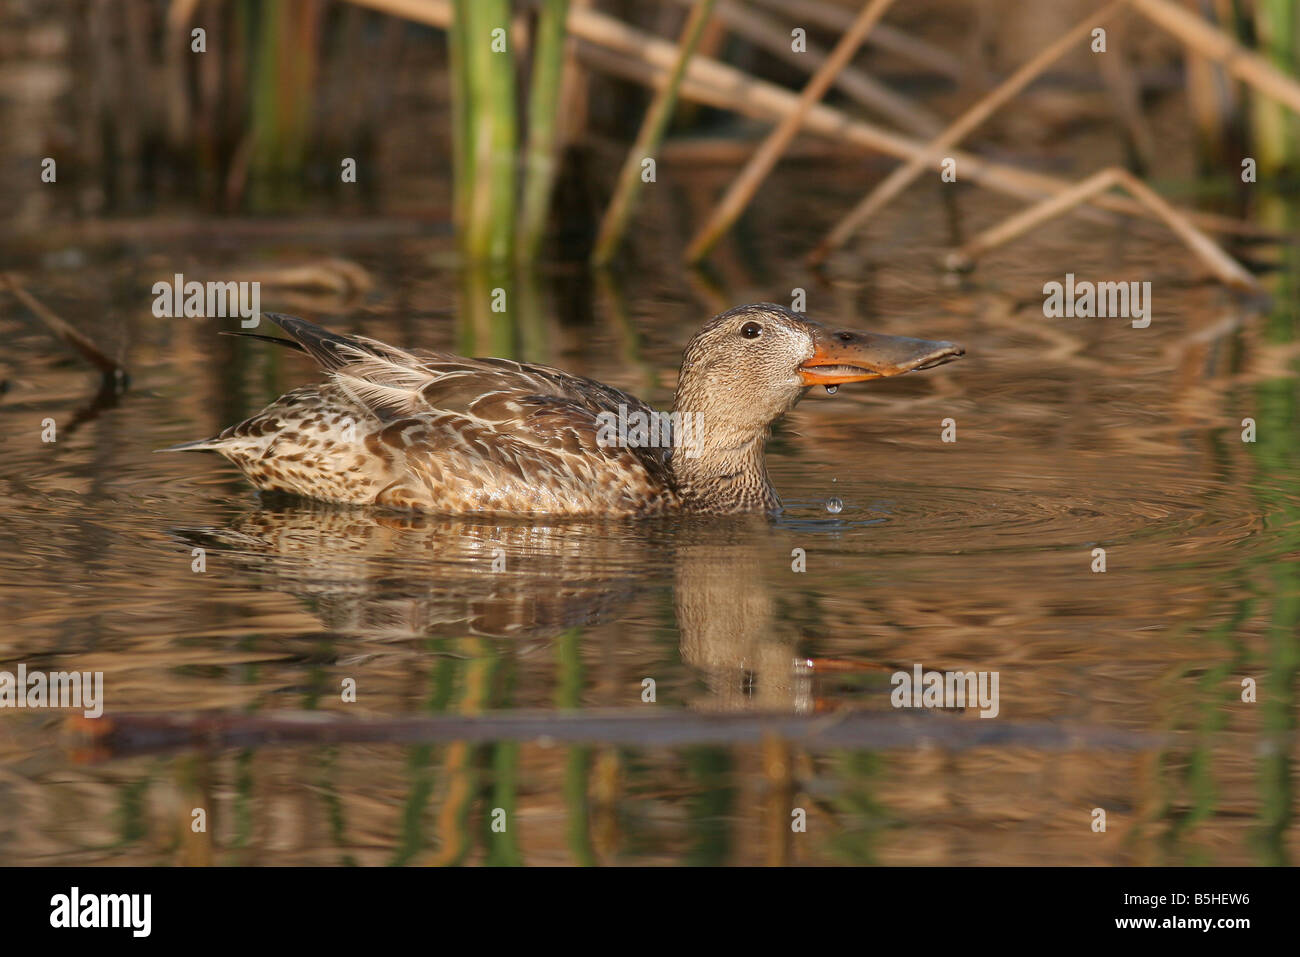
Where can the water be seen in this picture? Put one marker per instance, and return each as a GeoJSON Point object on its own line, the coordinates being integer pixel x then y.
{"type": "Point", "coordinates": [767, 646]}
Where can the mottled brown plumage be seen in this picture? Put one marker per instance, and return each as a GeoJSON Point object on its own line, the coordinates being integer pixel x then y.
{"type": "Point", "coordinates": [441, 433]}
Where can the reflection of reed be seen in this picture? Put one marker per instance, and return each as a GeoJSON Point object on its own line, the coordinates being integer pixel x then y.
{"type": "Point", "coordinates": [458, 764]}
{"type": "Point", "coordinates": [1277, 459]}
{"type": "Point", "coordinates": [577, 764]}
{"type": "Point", "coordinates": [422, 764]}
{"type": "Point", "coordinates": [194, 786]}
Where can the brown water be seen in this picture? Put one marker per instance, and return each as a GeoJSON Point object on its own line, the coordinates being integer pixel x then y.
{"type": "Point", "coordinates": [1118, 690]}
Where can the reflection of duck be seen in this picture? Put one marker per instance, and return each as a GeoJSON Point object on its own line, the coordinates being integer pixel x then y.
{"type": "Point", "coordinates": [393, 577]}
{"type": "Point", "coordinates": [439, 433]}
{"type": "Point", "coordinates": [731, 630]}
{"type": "Point", "coordinates": [398, 576]}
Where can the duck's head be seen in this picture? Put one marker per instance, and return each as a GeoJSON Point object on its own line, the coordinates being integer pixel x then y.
{"type": "Point", "coordinates": [750, 365]}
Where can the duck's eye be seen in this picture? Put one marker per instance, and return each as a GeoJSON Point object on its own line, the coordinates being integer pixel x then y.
{"type": "Point", "coordinates": [844, 336]}
{"type": "Point", "coordinates": [751, 330]}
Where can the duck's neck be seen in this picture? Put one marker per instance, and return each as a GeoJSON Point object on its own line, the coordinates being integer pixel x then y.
{"type": "Point", "coordinates": [724, 477]}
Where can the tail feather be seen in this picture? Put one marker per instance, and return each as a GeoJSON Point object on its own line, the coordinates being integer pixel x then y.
{"type": "Point", "coordinates": [199, 445]}
{"type": "Point", "coordinates": [379, 377]}
{"type": "Point", "coordinates": [330, 349]}
{"type": "Point", "coordinates": [384, 380]}
{"type": "Point", "coordinates": [288, 343]}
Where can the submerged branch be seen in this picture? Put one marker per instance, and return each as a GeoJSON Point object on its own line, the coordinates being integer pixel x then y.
{"type": "Point", "coordinates": [113, 371]}
{"type": "Point", "coordinates": [126, 734]}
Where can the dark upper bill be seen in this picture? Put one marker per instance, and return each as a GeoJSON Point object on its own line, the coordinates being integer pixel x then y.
{"type": "Point", "coordinates": [843, 356]}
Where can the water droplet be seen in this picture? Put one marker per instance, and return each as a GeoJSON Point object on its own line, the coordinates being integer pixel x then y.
{"type": "Point", "coordinates": [832, 389]}
{"type": "Point", "coordinates": [834, 506]}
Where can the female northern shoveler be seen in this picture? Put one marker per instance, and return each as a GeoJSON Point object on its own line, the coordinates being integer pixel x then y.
{"type": "Point", "coordinates": [438, 433]}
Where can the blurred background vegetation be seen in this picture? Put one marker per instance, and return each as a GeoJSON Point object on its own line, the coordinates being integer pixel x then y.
{"type": "Point", "coordinates": [519, 135]}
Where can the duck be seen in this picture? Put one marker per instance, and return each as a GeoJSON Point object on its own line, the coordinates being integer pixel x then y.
{"type": "Point", "coordinates": [433, 432]}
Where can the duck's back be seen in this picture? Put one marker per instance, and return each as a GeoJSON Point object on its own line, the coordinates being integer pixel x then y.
{"type": "Point", "coordinates": [442, 433]}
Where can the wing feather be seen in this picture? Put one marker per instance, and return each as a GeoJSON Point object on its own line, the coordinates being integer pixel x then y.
{"type": "Point", "coordinates": [476, 431]}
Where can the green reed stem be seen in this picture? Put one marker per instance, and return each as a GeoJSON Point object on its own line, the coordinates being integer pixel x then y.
{"type": "Point", "coordinates": [484, 128]}
{"type": "Point", "coordinates": [462, 167]}
{"type": "Point", "coordinates": [285, 65]}
{"type": "Point", "coordinates": [1274, 127]}
{"type": "Point", "coordinates": [541, 160]}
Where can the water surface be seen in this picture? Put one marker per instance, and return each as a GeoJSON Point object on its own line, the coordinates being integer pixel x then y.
{"type": "Point", "coordinates": [1118, 690]}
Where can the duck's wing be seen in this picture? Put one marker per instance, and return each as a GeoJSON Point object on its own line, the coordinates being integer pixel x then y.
{"type": "Point", "coordinates": [491, 432]}
{"type": "Point", "coordinates": [392, 383]}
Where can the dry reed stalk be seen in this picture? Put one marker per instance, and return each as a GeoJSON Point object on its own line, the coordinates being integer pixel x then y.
{"type": "Point", "coordinates": [434, 13]}
{"type": "Point", "coordinates": [1227, 269]}
{"type": "Point", "coordinates": [1206, 102]}
{"type": "Point", "coordinates": [1126, 94]}
{"type": "Point", "coordinates": [902, 177]}
{"type": "Point", "coordinates": [860, 86]}
{"type": "Point", "coordinates": [631, 54]}
{"type": "Point", "coordinates": [608, 44]}
{"type": "Point", "coordinates": [1224, 267]}
{"type": "Point", "coordinates": [653, 126]}
{"type": "Point", "coordinates": [1211, 42]}
{"type": "Point", "coordinates": [890, 39]}
{"type": "Point", "coordinates": [765, 157]}
{"type": "Point", "coordinates": [180, 13]}
{"type": "Point", "coordinates": [1026, 219]}
{"type": "Point", "coordinates": [573, 89]}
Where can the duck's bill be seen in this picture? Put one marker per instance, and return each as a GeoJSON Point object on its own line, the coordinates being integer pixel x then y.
{"type": "Point", "coordinates": [841, 357]}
